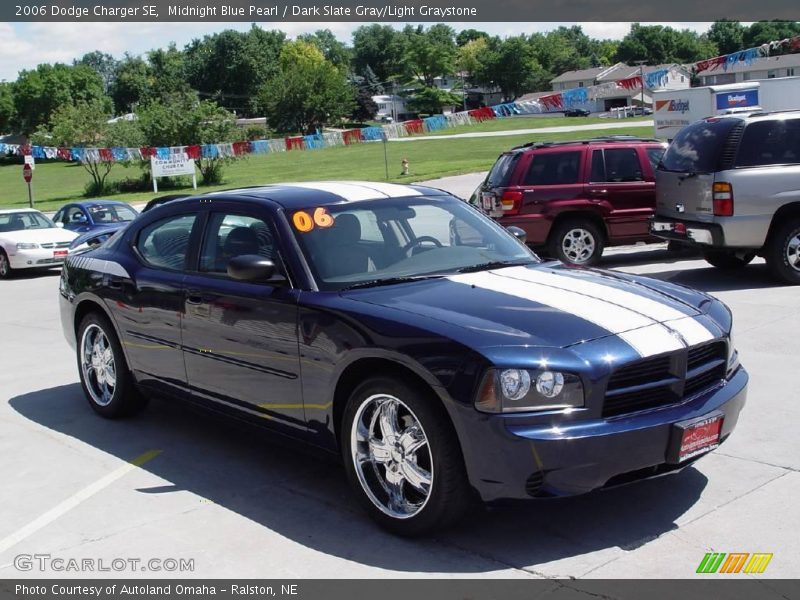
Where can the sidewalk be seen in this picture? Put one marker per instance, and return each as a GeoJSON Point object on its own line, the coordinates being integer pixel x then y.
{"type": "Point", "coordinates": [613, 124]}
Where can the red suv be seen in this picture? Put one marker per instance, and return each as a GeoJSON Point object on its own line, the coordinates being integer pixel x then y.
{"type": "Point", "coordinates": [575, 198]}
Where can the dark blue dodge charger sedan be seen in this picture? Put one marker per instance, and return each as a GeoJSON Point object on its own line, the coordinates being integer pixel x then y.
{"type": "Point", "coordinates": [401, 329]}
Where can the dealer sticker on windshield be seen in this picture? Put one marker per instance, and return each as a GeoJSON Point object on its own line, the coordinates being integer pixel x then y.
{"type": "Point", "coordinates": [306, 220]}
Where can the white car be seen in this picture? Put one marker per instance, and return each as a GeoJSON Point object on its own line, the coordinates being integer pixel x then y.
{"type": "Point", "coordinates": [29, 240]}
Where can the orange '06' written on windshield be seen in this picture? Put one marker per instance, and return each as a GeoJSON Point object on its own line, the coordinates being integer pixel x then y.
{"type": "Point", "coordinates": [305, 222]}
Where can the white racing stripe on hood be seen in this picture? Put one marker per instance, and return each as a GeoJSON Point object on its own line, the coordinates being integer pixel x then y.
{"type": "Point", "coordinates": [689, 328]}
{"type": "Point", "coordinates": [652, 338]}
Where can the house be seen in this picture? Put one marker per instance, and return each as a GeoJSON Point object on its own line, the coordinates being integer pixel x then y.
{"type": "Point", "coordinates": [391, 106]}
{"type": "Point", "coordinates": [770, 67]}
{"type": "Point", "coordinates": [678, 77]}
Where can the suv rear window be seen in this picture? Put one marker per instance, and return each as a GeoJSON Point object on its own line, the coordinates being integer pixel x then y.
{"type": "Point", "coordinates": [501, 172]}
{"type": "Point", "coordinates": [774, 142]}
{"type": "Point", "coordinates": [697, 148]}
{"type": "Point", "coordinates": [553, 168]}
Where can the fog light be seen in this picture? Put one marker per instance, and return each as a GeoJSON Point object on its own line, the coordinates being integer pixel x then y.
{"type": "Point", "coordinates": [550, 383]}
{"type": "Point", "coordinates": [515, 383]}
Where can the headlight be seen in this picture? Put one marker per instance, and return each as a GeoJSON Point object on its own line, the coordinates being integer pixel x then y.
{"type": "Point", "coordinates": [27, 246]}
{"type": "Point", "coordinates": [523, 390]}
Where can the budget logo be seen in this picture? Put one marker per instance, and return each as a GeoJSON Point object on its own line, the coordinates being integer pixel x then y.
{"type": "Point", "coordinates": [680, 106]}
{"type": "Point", "coordinates": [734, 562]}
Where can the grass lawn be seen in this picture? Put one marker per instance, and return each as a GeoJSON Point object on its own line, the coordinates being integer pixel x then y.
{"type": "Point", "coordinates": [57, 183]}
{"type": "Point", "coordinates": [535, 122]}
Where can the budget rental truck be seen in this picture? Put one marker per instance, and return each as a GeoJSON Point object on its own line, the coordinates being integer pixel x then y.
{"type": "Point", "coordinates": [675, 109]}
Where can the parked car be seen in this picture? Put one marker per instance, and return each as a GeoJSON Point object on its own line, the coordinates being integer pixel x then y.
{"type": "Point", "coordinates": [159, 200]}
{"type": "Point", "coordinates": [577, 112]}
{"type": "Point", "coordinates": [575, 198]}
{"type": "Point", "coordinates": [94, 214]}
{"type": "Point", "coordinates": [406, 332]}
{"type": "Point", "coordinates": [731, 186]}
{"type": "Point", "coordinates": [29, 240]}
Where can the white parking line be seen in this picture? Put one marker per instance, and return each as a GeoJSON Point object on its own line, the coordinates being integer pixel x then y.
{"type": "Point", "coordinates": [74, 500]}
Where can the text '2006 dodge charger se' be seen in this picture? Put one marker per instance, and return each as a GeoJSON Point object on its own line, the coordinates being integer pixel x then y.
{"type": "Point", "coordinates": [398, 326]}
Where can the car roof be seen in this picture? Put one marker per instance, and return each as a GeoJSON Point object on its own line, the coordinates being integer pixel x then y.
{"type": "Point", "coordinates": [5, 211]}
{"type": "Point", "coordinates": [91, 203]}
{"type": "Point", "coordinates": [322, 193]}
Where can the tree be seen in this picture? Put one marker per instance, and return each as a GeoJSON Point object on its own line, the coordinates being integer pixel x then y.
{"type": "Point", "coordinates": [101, 63]}
{"type": "Point", "coordinates": [376, 46]}
{"type": "Point", "coordinates": [306, 93]}
{"type": "Point", "coordinates": [167, 72]}
{"type": "Point", "coordinates": [762, 32]}
{"type": "Point", "coordinates": [85, 124]}
{"type": "Point", "coordinates": [510, 65]}
{"type": "Point", "coordinates": [656, 44]}
{"type": "Point", "coordinates": [472, 55]}
{"type": "Point", "coordinates": [427, 54]}
{"type": "Point", "coordinates": [131, 83]}
{"type": "Point", "coordinates": [727, 35]}
{"type": "Point", "coordinates": [366, 108]}
{"type": "Point", "coordinates": [7, 112]}
{"type": "Point", "coordinates": [230, 66]}
{"type": "Point", "coordinates": [182, 120]}
{"type": "Point", "coordinates": [469, 35]}
{"type": "Point", "coordinates": [371, 82]}
{"type": "Point", "coordinates": [332, 49]}
{"type": "Point", "coordinates": [431, 100]}
{"type": "Point", "coordinates": [39, 92]}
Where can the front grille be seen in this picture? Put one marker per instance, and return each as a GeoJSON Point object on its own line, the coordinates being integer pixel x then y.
{"type": "Point", "coordinates": [49, 245]}
{"type": "Point", "coordinates": [664, 380]}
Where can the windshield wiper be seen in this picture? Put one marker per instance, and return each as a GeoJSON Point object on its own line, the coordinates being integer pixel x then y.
{"type": "Point", "coordinates": [497, 264]}
{"type": "Point", "coordinates": [388, 281]}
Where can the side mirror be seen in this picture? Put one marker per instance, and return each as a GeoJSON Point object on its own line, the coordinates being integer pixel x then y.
{"type": "Point", "coordinates": [518, 233]}
{"type": "Point", "coordinates": [251, 267]}
{"type": "Point", "coordinates": [59, 224]}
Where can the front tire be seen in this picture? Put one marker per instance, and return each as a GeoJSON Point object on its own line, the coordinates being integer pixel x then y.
{"type": "Point", "coordinates": [106, 380]}
{"type": "Point", "coordinates": [727, 259]}
{"type": "Point", "coordinates": [783, 252]}
{"type": "Point", "coordinates": [402, 457]}
{"type": "Point", "coordinates": [5, 265]}
{"type": "Point", "coordinates": [577, 242]}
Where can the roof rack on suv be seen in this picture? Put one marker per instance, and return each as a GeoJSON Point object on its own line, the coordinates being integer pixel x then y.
{"type": "Point", "coordinates": [597, 140]}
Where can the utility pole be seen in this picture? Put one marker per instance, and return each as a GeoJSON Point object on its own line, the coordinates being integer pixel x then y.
{"type": "Point", "coordinates": [641, 76]}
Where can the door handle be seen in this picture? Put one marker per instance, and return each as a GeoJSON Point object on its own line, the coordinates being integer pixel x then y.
{"type": "Point", "coordinates": [114, 282]}
{"type": "Point", "coordinates": [599, 192]}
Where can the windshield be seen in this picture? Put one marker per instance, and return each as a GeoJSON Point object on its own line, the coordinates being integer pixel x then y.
{"type": "Point", "coordinates": [698, 147]}
{"type": "Point", "coordinates": [112, 213]}
{"type": "Point", "coordinates": [23, 220]}
{"type": "Point", "coordinates": [381, 240]}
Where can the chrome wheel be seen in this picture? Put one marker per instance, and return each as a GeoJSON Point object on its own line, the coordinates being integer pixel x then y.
{"type": "Point", "coordinates": [391, 456]}
{"type": "Point", "coordinates": [5, 268]}
{"type": "Point", "coordinates": [97, 365]}
{"type": "Point", "coordinates": [793, 252]}
{"type": "Point", "coordinates": [578, 245]}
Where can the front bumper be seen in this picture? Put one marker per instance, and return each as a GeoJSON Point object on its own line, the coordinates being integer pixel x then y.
{"type": "Point", "coordinates": [692, 232]}
{"type": "Point", "coordinates": [507, 459]}
{"type": "Point", "coordinates": [37, 258]}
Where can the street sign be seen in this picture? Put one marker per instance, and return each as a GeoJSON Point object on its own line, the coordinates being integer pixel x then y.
{"type": "Point", "coordinates": [27, 172]}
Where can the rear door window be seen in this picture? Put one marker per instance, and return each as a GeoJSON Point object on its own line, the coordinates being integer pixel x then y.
{"type": "Point", "coordinates": [770, 143]}
{"type": "Point", "coordinates": [622, 164]}
{"type": "Point", "coordinates": [553, 168]}
{"type": "Point", "coordinates": [698, 147]}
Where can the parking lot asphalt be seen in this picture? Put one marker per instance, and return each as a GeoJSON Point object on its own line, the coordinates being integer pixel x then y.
{"type": "Point", "coordinates": [240, 504]}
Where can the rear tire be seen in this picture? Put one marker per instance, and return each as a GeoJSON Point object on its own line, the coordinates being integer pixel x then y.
{"type": "Point", "coordinates": [402, 457]}
{"type": "Point", "coordinates": [105, 378]}
{"type": "Point", "coordinates": [577, 242]}
{"type": "Point", "coordinates": [727, 259]}
{"type": "Point", "coordinates": [783, 252]}
{"type": "Point", "coordinates": [6, 272]}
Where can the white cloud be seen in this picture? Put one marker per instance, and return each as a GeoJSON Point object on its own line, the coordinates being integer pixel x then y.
{"type": "Point", "coordinates": [23, 46]}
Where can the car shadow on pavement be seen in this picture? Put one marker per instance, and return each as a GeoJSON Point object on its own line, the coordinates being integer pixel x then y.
{"type": "Point", "coordinates": [304, 497]}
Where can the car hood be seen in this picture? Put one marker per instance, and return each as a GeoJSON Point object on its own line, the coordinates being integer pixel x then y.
{"type": "Point", "coordinates": [551, 305]}
{"type": "Point", "coordinates": [39, 236]}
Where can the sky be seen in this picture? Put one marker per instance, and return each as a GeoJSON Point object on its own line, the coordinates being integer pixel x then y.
{"type": "Point", "coordinates": [25, 45]}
